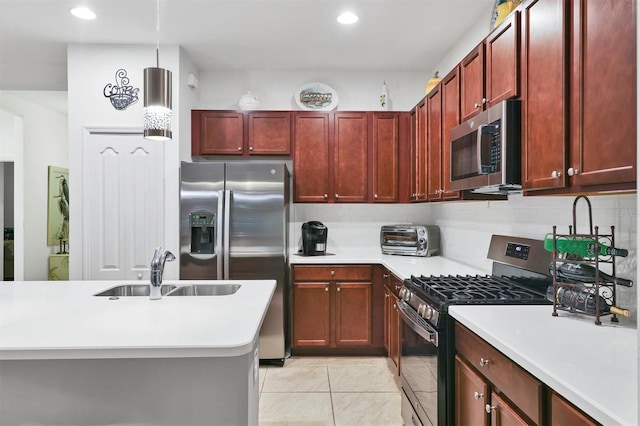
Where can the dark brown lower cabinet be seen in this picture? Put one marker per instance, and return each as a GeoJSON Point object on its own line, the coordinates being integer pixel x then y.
{"type": "Point", "coordinates": [332, 308]}
{"type": "Point", "coordinates": [563, 412]}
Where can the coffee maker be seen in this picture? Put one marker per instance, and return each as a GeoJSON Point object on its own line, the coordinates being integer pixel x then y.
{"type": "Point", "coordinates": [314, 238]}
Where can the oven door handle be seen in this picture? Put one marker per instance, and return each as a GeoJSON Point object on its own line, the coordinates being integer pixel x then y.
{"type": "Point", "coordinates": [417, 323]}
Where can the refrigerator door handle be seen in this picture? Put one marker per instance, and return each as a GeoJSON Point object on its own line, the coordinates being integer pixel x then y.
{"type": "Point", "coordinates": [220, 232]}
{"type": "Point", "coordinates": [227, 232]}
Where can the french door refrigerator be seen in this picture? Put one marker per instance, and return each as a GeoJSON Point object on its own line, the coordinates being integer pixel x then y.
{"type": "Point", "coordinates": [234, 226]}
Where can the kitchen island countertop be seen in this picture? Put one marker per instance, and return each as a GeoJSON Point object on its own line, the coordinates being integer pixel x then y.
{"type": "Point", "coordinates": [594, 367]}
{"type": "Point", "coordinates": [63, 320]}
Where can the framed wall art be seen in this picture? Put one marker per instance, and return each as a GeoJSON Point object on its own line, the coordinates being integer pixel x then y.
{"type": "Point", "coordinates": [58, 206]}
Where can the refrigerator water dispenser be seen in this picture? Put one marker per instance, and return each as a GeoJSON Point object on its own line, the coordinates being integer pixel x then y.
{"type": "Point", "coordinates": [202, 232]}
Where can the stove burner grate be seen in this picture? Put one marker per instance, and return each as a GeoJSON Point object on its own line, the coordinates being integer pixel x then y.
{"type": "Point", "coordinates": [477, 289]}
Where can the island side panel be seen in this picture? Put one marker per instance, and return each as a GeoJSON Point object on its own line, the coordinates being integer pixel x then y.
{"type": "Point", "coordinates": [158, 391]}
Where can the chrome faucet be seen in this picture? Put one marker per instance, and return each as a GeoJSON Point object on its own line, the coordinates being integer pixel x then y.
{"type": "Point", "coordinates": [157, 268]}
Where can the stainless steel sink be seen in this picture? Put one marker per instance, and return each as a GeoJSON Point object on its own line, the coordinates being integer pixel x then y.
{"type": "Point", "coordinates": [132, 290]}
{"type": "Point", "coordinates": [205, 290]}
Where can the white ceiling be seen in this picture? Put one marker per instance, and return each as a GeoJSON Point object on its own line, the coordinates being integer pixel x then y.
{"type": "Point", "coordinates": [275, 35]}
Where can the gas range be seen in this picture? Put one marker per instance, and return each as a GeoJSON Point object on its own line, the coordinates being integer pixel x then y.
{"type": "Point", "coordinates": [520, 275]}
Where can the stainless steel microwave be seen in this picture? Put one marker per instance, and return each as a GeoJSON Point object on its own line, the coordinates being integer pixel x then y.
{"type": "Point", "coordinates": [485, 151]}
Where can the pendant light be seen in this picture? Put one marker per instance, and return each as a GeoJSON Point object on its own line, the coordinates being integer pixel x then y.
{"type": "Point", "coordinates": [157, 96]}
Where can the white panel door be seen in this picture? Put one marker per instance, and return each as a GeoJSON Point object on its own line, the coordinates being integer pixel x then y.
{"type": "Point", "coordinates": [123, 210]}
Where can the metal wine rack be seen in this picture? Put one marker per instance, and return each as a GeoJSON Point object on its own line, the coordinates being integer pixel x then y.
{"type": "Point", "coordinates": [606, 290]}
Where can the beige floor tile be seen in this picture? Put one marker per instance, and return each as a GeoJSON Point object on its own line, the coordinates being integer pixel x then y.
{"type": "Point", "coordinates": [307, 361]}
{"type": "Point", "coordinates": [361, 379]}
{"type": "Point", "coordinates": [296, 379]}
{"type": "Point", "coordinates": [295, 409]}
{"type": "Point", "coordinates": [357, 361]}
{"type": "Point", "coordinates": [366, 409]}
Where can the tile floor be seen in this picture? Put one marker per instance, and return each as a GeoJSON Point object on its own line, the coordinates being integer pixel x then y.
{"type": "Point", "coordinates": [329, 391]}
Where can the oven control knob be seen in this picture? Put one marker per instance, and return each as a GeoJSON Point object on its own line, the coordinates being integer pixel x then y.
{"type": "Point", "coordinates": [421, 309]}
{"type": "Point", "coordinates": [401, 292]}
{"type": "Point", "coordinates": [428, 313]}
{"type": "Point", "coordinates": [407, 295]}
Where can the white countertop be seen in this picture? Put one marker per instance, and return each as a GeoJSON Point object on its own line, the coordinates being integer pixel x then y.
{"type": "Point", "coordinates": [401, 266]}
{"type": "Point", "coordinates": [594, 367]}
{"type": "Point", "coordinates": [63, 320]}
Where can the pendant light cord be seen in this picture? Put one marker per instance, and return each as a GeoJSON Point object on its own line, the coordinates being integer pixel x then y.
{"type": "Point", "coordinates": [158, 33]}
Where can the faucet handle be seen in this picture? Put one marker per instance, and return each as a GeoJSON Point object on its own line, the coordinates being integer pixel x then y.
{"type": "Point", "coordinates": [169, 256]}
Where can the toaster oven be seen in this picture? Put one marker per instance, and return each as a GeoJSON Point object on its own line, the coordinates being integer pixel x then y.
{"type": "Point", "coordinates": [410, 240]}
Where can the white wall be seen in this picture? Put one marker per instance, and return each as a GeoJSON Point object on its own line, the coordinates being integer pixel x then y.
{"type": "Point", "coordinates": [91, 67]}
{"type": "Point", "coordinates": [357, 91]}
{"type": "Point", "coordinates": [44, 143]}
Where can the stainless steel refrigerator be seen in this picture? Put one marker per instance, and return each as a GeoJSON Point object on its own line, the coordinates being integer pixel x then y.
{"type": "Point", "coordinates": [233, 226]}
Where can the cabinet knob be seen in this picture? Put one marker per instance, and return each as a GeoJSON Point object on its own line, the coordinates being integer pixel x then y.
{"type": "Point", "coordinates": [484, 101]}
{"type": "Point", "coordinates": [326, 288]}
{"type": "Point", "coordinates": [386, 295]}
{"type": "Point", "coordinates": [325, 196]}
{"type": "Point", "coordinates": [337, 196]}
{"type": "Point", "coordinates": [338, 289]}
{"type": "Point", "coordinates": [572, 171]}
{"type": "Point", "coordinates": [385, 275]}
{"type": "Point", "coordinates": [239, 148]}
{"type": "Point", "coordinates": [484, 362]}
{"type": "Point", "coordinates": [395, 306]}
{"type": "Point", "coordinates": [333, 273]}
{"type": "Point", "coordinates": [398, 287]}
{"type": "Point", "coordinates": [488, 408]}
{"type": "Point", "coordinates": [478, 395]}
{"type": "Point", "coordinates": [139, 276]}
{"type": "Point", "coordinates": [250, 148]}
{"type": "Point", "coordinates": [375, 196]}
{"type": "Point", "coordinates": [556, 174]}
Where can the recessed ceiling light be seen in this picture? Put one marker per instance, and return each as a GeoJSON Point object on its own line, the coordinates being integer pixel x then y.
{"type": "Point", "coordinates": [348, 18]}
{"type": "Point", "coordinates": [83, 13]}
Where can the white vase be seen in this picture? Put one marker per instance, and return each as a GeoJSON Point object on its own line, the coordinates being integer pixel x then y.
{"type": "Point", "coordinates": [384, 97]}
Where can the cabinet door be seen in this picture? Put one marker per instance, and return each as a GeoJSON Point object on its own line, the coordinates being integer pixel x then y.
{"type": "Point", "coordinates": [270, 132]}
{"type": "Point", "coordinates": [564, 413]}
{"type": "Point", "coordinates": [544, 94]}
{"type": "Point", "coordinates": [387, 320]}
{"type": "Point", "coordinates": [502, 57]}
{"type": "Point", "coordinates": [385, 153]}
{"type": "Point", "coordinates": [472, 83]}
{"type": "Point", "coordinates": [310, 322]}
{"type": "Point", "coordinates": [419, 152]}
{"type": "Point", "coordinates": [350, 157]}
{"type": "Point", "coordinates": [471, 396]}
{"type": "Point", "coordinates": [603, 93]}
{"type": "Point", "coordinates": [395, 332]}
{"type": "Point", "coordinates": [353, 314]}
{"type": "Point", "coordinates": [502, 414]}
{"type": "Point", "coordinates": [311, 157]}
{"type": "Point", "coordinates": [218, 132]}
{"type": "Point", "coordinates": [450, 119]}
{"type": "Point", "coordinates": [434, 144]}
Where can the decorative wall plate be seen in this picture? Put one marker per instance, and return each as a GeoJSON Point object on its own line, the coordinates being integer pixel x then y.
{"type": "Point", "coordinates": [316, 97]}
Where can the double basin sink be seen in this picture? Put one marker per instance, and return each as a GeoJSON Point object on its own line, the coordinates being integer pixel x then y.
{"type": "Point", "coordinates": [127, 290]}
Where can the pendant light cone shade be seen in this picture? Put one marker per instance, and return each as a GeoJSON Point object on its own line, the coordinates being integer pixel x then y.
{"type": "Point", "coordinates": [157, 104]}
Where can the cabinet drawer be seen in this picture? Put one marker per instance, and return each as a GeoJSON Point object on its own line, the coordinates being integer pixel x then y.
{"type": "Point", "coordinates": [507, 377]}
{"type": "Point", "coordinates": [332, 273]}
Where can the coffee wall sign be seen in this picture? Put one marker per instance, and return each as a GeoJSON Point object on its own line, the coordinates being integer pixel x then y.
{"type": "Point", "coordinates": [122, 94]}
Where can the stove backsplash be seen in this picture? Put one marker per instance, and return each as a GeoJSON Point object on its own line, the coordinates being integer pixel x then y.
{"type": "Point", "coordinates": [466, 226]}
